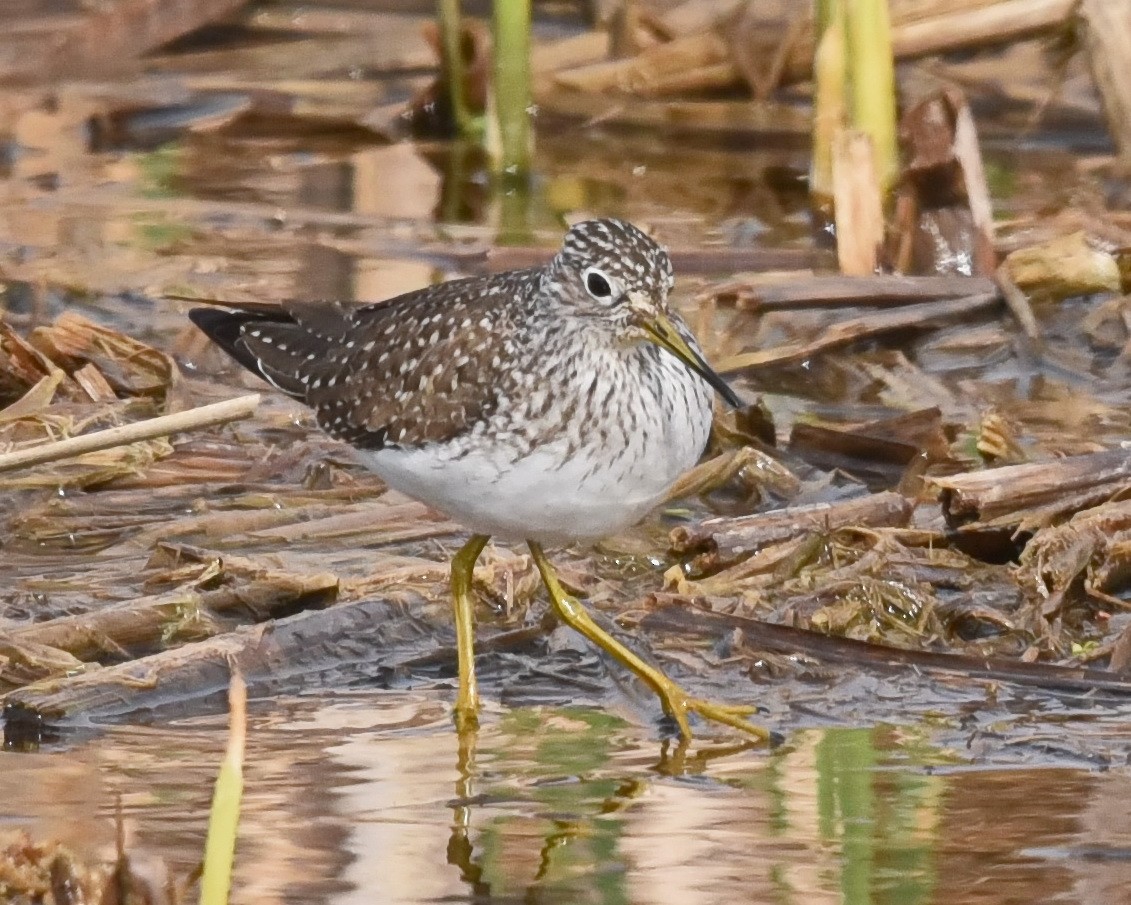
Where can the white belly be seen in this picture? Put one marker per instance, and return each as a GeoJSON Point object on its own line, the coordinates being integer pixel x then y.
{"type": "Point", "coordinates": [536, 498]}
{"type": "Point", "coordinates": [583, 486]}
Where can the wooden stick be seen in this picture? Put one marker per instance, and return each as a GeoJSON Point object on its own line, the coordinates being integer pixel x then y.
{"type": "Point", "coordinates": [994, 24]}
{"type": "Point", "coordinates": [1034, 493]}
{"type": "Point", "coordinates": [295, 652]}
{"type": "Point", "coordinates": [949, 27]}
{"type": "Point", "coordinates": [193, 419]}
{"type": "Point", "coordinates": [1018, 302]}
{"type": "Point", "coordinates": [754, 292]}
{"type": "Point", "coordinates": [968, 152]}
{"type": "Point", "coordinates": [141, 621]}
{"type": "Point", "coordinates": [104, 38]}
{"type": "Point", "coordinates": [722, 541]}
{"type": "Point", "coordinates": [910, 317]}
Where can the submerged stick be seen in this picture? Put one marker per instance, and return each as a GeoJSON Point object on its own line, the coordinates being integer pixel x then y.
{"type": "Point", "coordinates": [193, 419]}
{"type": "Point", "coordinates": [366, 638]}
{"type": "Point", "coordinates": [677, 615]}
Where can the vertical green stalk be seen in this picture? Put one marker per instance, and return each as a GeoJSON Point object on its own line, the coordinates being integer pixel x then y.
{"type": "Point", "coordinates": [824, 14]}
{"type": "Point", "coordinates": [873, 82]}
{"type": "Point", "coordinates": [451, 60]}
{"type": "Point", "coordinates": [224, 818]}
{"type": "Point", "coordinates": [512, 85]}
{"type": "Point", "coordinates": [830, 100]}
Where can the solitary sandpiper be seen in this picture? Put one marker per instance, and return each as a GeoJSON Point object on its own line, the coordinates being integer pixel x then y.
{"type": "Point", "coordinates": [551, 405]}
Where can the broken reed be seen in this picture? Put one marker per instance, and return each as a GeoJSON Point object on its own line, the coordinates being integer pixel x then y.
{"type": "Point", "coordinates": [855, 158]}
{"type": "Point", "coordinates": [855, 87]}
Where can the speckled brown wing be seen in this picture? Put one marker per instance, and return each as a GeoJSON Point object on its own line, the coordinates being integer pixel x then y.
{"type": "Point", "coordinates": [420, 368]}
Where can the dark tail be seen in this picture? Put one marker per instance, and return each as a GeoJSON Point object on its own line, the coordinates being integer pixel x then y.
{"type": "Point", "coordinates": [225, 328]}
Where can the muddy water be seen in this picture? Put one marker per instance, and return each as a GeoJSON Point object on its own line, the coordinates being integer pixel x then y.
{"type": "Point", "coordinates": [367, 797]}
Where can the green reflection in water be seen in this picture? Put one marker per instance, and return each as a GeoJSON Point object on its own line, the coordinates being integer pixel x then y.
{"type": "Point", "coordinates": [884, 821]}
{"type": "Point", "coordinates": [1001, 175]}
{"type": "Point", "coordinates": [156, 233]}
{"type": "Point", "coordinates": [516, 204]}
{"type": "Point", "coordinates": [571, 816]}
{"type": "Point", "coordinates": [838, 811]}
{"type": "Point", "coordinates": [159, 171]}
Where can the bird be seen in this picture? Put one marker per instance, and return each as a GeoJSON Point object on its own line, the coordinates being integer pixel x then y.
{"type": "Point", "coordinates": [552, 405]}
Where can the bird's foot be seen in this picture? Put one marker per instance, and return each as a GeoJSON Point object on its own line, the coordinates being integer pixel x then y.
{"type": "Point", "coordinates": [678, 704]}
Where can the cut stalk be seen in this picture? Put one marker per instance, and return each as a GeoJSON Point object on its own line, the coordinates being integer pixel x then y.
{"type": "Point", "coordinates": [830, 102]}
{"type": "Point", "coordinates": [873, 82]}
{"type": "Point", "coordinates": [162, 426]}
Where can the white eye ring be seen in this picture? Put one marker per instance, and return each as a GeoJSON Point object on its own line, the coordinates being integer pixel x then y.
{"type": "Point", "coordinates": [598, 284]}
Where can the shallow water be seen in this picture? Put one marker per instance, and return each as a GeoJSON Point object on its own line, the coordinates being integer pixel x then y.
{"type": "Point", "coordinates": [367, 797]}
{"type": "Point", "coordinates": [883, 791]}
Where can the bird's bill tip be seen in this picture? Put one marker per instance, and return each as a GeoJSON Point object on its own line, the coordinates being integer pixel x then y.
{"type": "Point", "coordinates": [660, 330]}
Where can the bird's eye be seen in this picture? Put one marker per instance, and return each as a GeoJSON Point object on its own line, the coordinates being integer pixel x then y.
{"type": "Point", "coordinates": [597, 284]}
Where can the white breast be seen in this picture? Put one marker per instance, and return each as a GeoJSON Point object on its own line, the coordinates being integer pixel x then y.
{"type": "Point", "coordinates": [593, 477]}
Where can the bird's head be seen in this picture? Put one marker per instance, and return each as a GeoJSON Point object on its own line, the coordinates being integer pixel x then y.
{"type": "Point", "coordinates": [611, 272]}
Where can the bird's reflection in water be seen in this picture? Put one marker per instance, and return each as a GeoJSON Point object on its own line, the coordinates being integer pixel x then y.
{"type": "Point", "coordinates": [676, 759]}
{"type": "Point", "coordinates": [460, 849]}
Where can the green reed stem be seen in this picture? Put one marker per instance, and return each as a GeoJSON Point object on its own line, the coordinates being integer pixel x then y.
{"type": "Point", "coordinates": [224, 818]}
{"type": "Point", "coordinates": [873, 82]}
{"type": "Point", "coordinates": [512, 86]}
{"type": "Point", "coordinates": [451, 64]}
{"type": "Point", "coordinates": [830, 101]}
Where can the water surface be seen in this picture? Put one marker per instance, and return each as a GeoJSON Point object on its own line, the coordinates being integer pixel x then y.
{"type": "Point", "coordinates": [370, 797]}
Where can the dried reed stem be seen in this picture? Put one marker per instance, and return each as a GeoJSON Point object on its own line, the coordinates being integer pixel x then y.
{"type": "Point", "coordinates": [180, 422]}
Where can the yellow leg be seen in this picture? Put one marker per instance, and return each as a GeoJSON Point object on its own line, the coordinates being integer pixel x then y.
{"type": "Point", "coordinates": [463, 569]}
{"type": "Point", "coordinates": [677, 702]}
